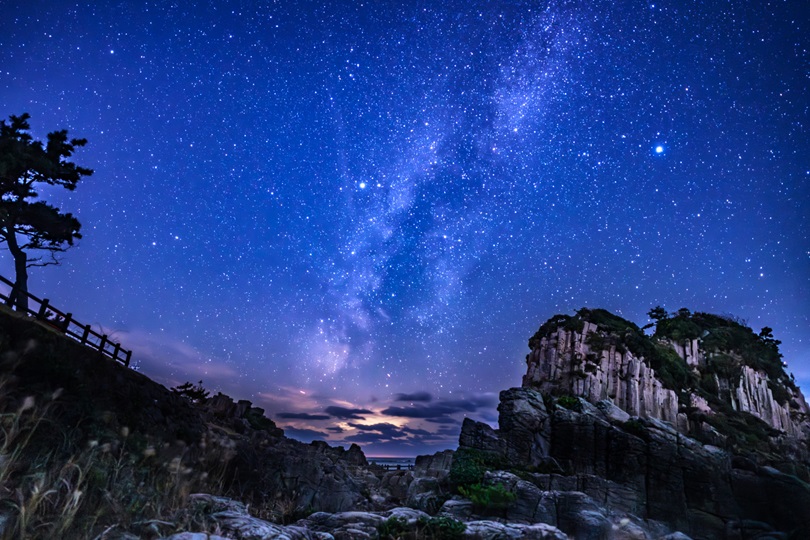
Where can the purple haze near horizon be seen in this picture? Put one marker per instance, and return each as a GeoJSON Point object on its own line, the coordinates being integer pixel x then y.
{"type": "Point", "coordinates": [355, 214]}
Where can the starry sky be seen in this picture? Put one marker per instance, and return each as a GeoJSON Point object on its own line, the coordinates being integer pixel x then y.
{"type": "Point", "coordinates": [355, 214]}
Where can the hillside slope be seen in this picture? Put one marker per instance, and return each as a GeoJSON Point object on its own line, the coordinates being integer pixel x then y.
{"type": "Point", "coordinates": [88, 444]}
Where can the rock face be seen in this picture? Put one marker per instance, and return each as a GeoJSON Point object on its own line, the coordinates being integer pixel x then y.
{"type": "Point", "coordinates": [564, 362]}
{"type": "Point", "coordinates": [640, 472]}
{"type": "Point", "coordinates": [754, 395]}
{"type": "Point", "coordinates": [594, 361]}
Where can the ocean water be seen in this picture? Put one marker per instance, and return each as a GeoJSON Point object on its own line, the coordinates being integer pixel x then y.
{"type": "Point", "coordinates": [392, 462]}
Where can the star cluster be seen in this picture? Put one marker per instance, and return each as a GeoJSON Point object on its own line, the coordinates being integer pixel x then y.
{"type": "Point", "coordinates": [356, 213]}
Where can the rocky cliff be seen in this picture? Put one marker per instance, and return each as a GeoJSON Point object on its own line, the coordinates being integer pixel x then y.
{"type": "Point", "coordinates": [616, 433]}
{"type": "Point", "coordinates": [621, 468]}
{"type": "Point", "coordinates": [694, 371]}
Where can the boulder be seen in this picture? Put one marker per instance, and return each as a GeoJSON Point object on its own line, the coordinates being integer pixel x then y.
{"type": "Point", "coordinates": [435, 465]}
{"type": "Point", "coordinates": [524, 427]}
{"type": "Point", "coordinates": [493, 530]}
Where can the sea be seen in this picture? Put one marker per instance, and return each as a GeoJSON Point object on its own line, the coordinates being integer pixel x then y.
{"type": "Point", "coordinates": [393, 462]}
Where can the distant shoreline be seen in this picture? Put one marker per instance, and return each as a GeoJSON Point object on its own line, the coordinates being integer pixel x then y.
{"type": "Point", "coordinates": [392, 461]}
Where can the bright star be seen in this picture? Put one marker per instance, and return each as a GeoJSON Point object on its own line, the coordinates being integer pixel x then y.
{"type": "Point", "coordinates": [362, 185]}
{"type": "Point", "coordinates": [659, 149]}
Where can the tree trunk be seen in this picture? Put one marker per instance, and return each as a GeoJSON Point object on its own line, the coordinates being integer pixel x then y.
{"type": "Point", "coordinates": [19, 295]}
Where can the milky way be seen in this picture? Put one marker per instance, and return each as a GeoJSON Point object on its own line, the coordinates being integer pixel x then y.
{"type": "Point", "coordinates": [355, 214]}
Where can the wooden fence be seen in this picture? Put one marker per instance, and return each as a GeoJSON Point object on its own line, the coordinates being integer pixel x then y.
{"type": "Point", "coordinates": [44, 312]}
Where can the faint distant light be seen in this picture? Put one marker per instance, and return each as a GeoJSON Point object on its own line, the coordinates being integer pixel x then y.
{"type": "Point", "coordinates": [112, 51]}
{"type": "Point", "coordinates": [659, 149]}
{"type": "Point", "coordinates": [362, 185]}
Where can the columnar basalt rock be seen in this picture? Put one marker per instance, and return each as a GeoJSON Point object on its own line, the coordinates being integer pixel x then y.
{"type": "Point", "coordinates": [713, 444]}
{"type": "Point", "coordinates": [753, 395]}
{"type": "Point", "coordinates": [565, 363]}
{"type": "Point", "coordinates": [689, 350]}
{"type": "Point", "coordinates": [571, 362]}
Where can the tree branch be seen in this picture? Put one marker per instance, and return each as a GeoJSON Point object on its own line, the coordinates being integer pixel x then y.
{"type": "Point", "coordinates": [38, 262]}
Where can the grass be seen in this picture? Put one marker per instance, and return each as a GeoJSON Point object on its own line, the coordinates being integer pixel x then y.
{"type": "Point", "coordinates": [87, 489]}
{"type": "Point", "coordinates": [434, 528]}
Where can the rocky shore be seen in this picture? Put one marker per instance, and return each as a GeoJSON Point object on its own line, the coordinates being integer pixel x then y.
{"type": "Point", "coordinates": [615, 434]}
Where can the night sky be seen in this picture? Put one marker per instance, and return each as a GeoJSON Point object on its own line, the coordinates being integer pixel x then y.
{"type": "Point", "coordinates": [355, 214]}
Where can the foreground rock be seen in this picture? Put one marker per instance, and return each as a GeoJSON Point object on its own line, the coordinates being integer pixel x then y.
{"type": "Point", "coordinates": [90, 404]}
{"type": "Point", "coordinates": [592, 471]}
{"type": "Point", "coordinates": [233, 522]}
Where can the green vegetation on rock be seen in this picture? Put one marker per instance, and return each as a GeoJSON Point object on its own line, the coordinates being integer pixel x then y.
{"type": "Point", "coordinates": [570, 402]}
{"type": "Point", "coordinates": [469, 466]}
{"type": "Point", "coordinates": [624, 336]}
{"type": "Point", "coordinates": [433, 528]}
{"type": "Point", "coordinates": [442, 528]}
{"type": "Point", "coordinates": [727, 343]}
{"type": "Point", "coordinates": [488, 498]}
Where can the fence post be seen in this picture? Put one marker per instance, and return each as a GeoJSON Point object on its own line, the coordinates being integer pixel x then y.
{"type": "Point", "coordinates": [115, 353]}
{"type": "Point", "coordinates": [129, 355]}
{"type": "Point", "coordinates": [103, 343]}
{"type": "Point", "coordinates": [85, 334]}
{"type": "Point", "coordinates": [66, 323]}
{"type": "Point", "coordinates": [43, 308]}
{"type": "Point", "coordinates": [11, 296]}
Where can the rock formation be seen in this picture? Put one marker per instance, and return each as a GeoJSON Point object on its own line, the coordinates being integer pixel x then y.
{"type": "Point", "coordinates": [707, 435]}
{"type": "Point", "coordinates": [567, 362]}
{"type": "Point", "coordinates": [597, 355]}
{"type": "Point", "coordinates": [693, 430]}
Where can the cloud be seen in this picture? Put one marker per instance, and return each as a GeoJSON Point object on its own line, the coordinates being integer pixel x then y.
{"type": "Point", "coordinates": [305, 435]}
{"type": "Point", "coordinates": [443, 420]}
{"type": "Point", "coordinates": [335, 429]}
{"type": "Point", "coordinates": [440, 412]}
{"type": "Point", "coordinates": [302, 416]}
{"type": "Point", "coordinates": [386, 433]}
{"type": "Point", "coordinates": [346, 413]}
{"type": "Point", "coordinates": [416, 396]}
{"type": "Point", "coordinates": [474, 403]}
{"type": "Point", "coordinates": [382, 431]}
{"type": "Point", "coordinates": [289, 400]}
{"type": "Point", "coordinates": [420, 411]}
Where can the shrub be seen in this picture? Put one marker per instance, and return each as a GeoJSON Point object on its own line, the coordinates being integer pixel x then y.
{"type": "Point", "coordinates": [670, 368]}
{"type": "Point", "coordinates": [727, 334]}
{"type": "Point", "coordinates": [434, 528]}
{"type": "Point", "coordinates": [725, 366]}
{"type": "Point", "coordinates": [195, 394]}
{"type": "Point", "coordinates": [567, 322]}
{"type": "Point", "coordinates": [570, 402]}
{"type": "Point", "coordinates": [597, 342]}
{"type": "Point", "coordinates": [709, 384]}
{"type": "Point", "coordinates": [469, 466]}
{"type": "Point", "coordinates": [442, 528]}
{"type": "Point", "coordinates": [393, 527]}
{"type": "Point", "coordinates": [488, 498]}
{"type": "Point", "coordinates": [635, 427]}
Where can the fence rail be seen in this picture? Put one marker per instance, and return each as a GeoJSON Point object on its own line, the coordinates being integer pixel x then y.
{"type": "Point", "coordinates": [44, 312]}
